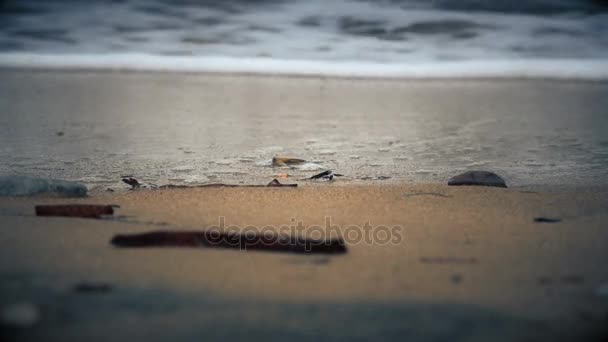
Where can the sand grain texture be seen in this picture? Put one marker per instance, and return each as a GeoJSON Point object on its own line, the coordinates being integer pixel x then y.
{"type": "Point", "coordinates": [473, 246]}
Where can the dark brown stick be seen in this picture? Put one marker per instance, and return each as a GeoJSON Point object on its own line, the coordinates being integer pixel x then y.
{"type": "Point", "coordinates": [75, 210]}
{"type": "Point", "coordinates": [246, 242]}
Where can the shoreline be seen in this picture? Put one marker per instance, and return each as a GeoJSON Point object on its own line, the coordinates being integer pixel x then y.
{"type": "Point", "coordinates": [584, 69]}
{"type": "Point", "coordinates": [295, 75]}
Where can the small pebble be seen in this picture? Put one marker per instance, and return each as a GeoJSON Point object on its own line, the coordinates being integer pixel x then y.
{"type": "Point", "coordinates": [479, 178]}
{"type": "Point", "coordinates": [22, 314]}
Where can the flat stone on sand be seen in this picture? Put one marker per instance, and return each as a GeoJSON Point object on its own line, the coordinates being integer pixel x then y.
{"type": "Point", "coordinates": [480, 178]}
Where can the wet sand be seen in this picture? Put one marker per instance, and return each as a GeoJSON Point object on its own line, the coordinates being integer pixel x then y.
{"type": "Point", "coordinates": [468, 263]}
{"type": "Point", "coordinates": [163, 128]}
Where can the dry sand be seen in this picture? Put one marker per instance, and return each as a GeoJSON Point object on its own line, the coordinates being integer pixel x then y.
{"type": "Point", "coordinates": [469, 264]}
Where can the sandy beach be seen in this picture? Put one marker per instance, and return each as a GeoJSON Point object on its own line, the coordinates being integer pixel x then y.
{"type": "Point", "coordinates": [304, 170]}
{"type": "Point", "coordinates": [468, 259]}
{"type": "Point", "coordinates": [461, 263]}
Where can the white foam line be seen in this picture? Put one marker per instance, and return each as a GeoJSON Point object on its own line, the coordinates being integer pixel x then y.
{"type": "Point", "coordinates": [582, 69]}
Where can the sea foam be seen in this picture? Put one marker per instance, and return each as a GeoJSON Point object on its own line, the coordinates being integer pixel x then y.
{"type": "Point", "coordinates": [591, 69]}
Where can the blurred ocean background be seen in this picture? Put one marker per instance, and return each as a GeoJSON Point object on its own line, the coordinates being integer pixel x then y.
{"type": "Point", "coordinates": [561, 38]}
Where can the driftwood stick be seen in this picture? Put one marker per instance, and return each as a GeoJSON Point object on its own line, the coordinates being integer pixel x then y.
{"type": "Point", "coordinates": [75, 210]}
{"type": "Point", "coordinates": [245, 241]}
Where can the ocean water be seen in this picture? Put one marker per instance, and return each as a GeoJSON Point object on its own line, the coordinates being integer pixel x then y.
{"type": "Point", "coordinates": [414, 38]}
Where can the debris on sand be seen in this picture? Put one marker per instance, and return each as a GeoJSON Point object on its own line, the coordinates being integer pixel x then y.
{"type": "Point", "coordinates": [480, 178]}
{"type": "Point", "coordinates": [286, 161]}
{"type": "Point", "coordinates": [134, 183]}
{"type": "Point", "coordinates": [546, 220]}
{"type": "Point", "coordinates": [276, 183]}
{"type": "Point", "coordinates": [29, 186]}
{"type": "Point", "coordinates": [437, 194]}
{"type": "Point", "coordinates": [326, 175]}
{"type": "Point", "coordinates": [244, 242]}
{"type": "Point", "coordinates": [75, 210]}
{"type": "Point", "coordinates": [92, 288]}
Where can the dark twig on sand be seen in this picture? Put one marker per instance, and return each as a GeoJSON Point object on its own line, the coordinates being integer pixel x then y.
{"type": "Point", "coordinates": [546, 220]}
{"type": "Point", "coordinates": [276, 183]}
{"type": "Point", "coordinates": [245, 242]}
{"type": "Point", "coordinates": [326, 175]}
{"type": "Point", "coordinates": [426, 194]}
{"type": "Point", "coordinates": [75, 210]}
